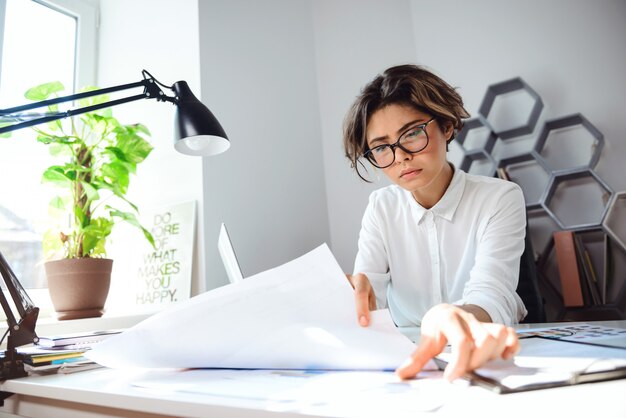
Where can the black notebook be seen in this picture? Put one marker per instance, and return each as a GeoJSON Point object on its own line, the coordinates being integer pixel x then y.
{"type": "Point", "coordinates": [546, 362]}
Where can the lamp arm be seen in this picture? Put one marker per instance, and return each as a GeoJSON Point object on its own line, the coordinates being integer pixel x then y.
{"type": "Point", "coordinates": [22, 332]}
{"type": "Point", "coordinates": [151, 91]}
{"type": "Point", "coordinates": [194, 121]}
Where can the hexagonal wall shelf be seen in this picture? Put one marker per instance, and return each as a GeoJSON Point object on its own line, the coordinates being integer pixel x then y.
{"type": "Point", "coordinates": [479, 163]}
{"type": "Point", "coordinates": [562, 191]}
{"type": "Point", "coordinates": [477, 134]}
{"type": "Point", "coordinates": [530, 174]}
{"type": "Point", "coordinates": [569, 143]}
{"type": "Point", "coordinates": [496, 93]}
{"type": "Point", "coordinates": [614, 222]}
{"type": "Point", "coordinates": [577, 200]}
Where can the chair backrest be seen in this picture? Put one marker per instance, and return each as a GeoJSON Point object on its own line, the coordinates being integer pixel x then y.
{"type": "Point", "coordinates": [528, 285]}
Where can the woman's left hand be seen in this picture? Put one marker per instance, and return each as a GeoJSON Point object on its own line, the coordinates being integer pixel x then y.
{"type": "Point", "coordinates": [473, 343]}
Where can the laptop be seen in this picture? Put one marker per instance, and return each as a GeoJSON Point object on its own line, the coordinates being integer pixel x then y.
{"type": "Point", "coordinates": [225, 247]}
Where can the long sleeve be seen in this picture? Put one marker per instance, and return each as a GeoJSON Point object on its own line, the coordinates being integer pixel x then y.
{"type": "Point", "coordinates": [494, 277]}
{"type": "Point", "coordinates": [371, 258]}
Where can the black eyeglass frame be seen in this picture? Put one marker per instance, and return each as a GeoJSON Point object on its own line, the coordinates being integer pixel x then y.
{"type": "Point", "coordinates": [368, 154]}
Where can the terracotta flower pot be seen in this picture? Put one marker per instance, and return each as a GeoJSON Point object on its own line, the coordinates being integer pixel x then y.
{"type": "Point", "coordinates": [79, 286]}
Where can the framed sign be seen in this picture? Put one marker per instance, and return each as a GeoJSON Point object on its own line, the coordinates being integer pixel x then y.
{"type": "Point", "coordinates": [160, 275]}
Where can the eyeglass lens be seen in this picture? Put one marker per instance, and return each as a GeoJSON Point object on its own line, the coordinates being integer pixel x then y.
{"type": "Point", "coordinates": [414, 140]}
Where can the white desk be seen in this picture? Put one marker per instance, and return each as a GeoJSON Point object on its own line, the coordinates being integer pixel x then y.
{"type": "Point", "coordinates": [106, 392]}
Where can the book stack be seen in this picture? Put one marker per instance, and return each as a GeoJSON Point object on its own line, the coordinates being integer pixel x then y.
{"type": "Point", "coordinates": [580, 285]}
{"type": "Point", "coordinates": [62, 353]}
{"type": "Point", "coordinates": [39, 360]}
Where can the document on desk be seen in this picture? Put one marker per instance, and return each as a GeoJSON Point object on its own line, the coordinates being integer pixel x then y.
{"type": "Point", "coordinates": [337, 393]}
{"type": "Point", "coordinates": [300, 315]}
{"type": "Point", "coordinates": [548, 362]}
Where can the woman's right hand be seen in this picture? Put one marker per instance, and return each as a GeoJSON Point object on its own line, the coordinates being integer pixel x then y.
{"type": "Point", "coordinates": [364, 297]}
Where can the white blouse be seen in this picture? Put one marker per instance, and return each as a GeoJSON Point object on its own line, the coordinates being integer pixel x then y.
{"type": "Point", "coordinates": [464, 250]}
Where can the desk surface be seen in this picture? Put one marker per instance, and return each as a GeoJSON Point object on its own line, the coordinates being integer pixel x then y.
{"type": "Point", "coordinates": [106, 392]}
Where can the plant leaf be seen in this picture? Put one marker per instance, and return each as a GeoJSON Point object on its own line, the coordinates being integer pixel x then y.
{"type": "Point", "coordinates": [133, 145]}
{"type": "Point", "coordinates": [95, 235]}
{"type": "Point", "coordinates": [116, 173]}
{"type": "Point", "coordinates": [43, 91]}
{"type": "Point", "coordinates": [54, 139]}
{"type": "Point", "coordinates": [90, 101]}
{"type": "Point", "coordinates": [51, 244]}
{"type": "Point", "coordinates": [6, 134]}
{"type": "Point", "coordinates": [142, 128]}
{"type": "Point", "coordinates": [90, 191]}
{"type": "Point", "coordinates": [81, 216]}
{"type": "Point", "coordinates": [60, 150]}
{"type": "Point", "coordinates": [57, 202]}
{"type": "Point", "coordinates": [132, 219]}
{"type": "Point", "coordinates": [57, 176]}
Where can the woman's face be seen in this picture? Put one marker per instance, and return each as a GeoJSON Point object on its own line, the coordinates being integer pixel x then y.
{"type": "Point", "coordinates": [413, 172]}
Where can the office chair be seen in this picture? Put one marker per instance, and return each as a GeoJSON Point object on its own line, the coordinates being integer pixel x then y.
{"type": "Point", "coordinates": [528, 285]}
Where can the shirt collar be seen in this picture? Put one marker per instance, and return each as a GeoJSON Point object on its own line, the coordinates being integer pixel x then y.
{"type": "Point", "coordinates": [449, 202]}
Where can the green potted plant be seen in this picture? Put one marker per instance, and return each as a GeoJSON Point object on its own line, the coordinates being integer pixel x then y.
{"type": "Point", "coordinates": [98, 156]}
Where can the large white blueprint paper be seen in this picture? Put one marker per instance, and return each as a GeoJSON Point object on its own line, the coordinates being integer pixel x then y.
{"type": "Point", "coordinates": [300, 315]}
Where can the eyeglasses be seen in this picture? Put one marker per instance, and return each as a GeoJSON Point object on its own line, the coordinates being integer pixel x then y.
{"type": "Point", "coordinates": [412, 141]}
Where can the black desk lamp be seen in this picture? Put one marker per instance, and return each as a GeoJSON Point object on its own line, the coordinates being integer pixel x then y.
{"type": "Point", "coordinates": [197, 132]}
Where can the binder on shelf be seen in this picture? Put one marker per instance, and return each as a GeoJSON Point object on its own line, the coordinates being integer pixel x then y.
{"type": "Point", "coordinates": [568, 269]}
{"type": "Point", "coordinates": [607, 268]}
{"type": "Point", "coordinates": [589, 282]}
{"type": "Point", "coordinates": [503, 174]}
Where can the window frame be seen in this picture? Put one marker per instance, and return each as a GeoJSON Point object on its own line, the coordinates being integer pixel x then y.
{"type": "Point", "coordinates": [87, 14]}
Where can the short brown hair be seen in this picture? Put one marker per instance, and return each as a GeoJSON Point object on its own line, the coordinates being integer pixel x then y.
{"type": "Point", "coordinates": [410, 85]}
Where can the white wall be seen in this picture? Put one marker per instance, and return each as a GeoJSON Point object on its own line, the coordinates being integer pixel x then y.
{"type": "Point", "coordinates": [258, 77]}
{"type": "Point", "coordinates": [162, 37]}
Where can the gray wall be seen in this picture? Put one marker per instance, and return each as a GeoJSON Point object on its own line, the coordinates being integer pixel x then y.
{"type": "Point", "coordinates": [258, 77]}
{"type": "Point", "coordinates": [571, 52]}
{"type": "Point", "coordinates": [281, 75]}
{"type": "Point", "coordinates": [355, 40]}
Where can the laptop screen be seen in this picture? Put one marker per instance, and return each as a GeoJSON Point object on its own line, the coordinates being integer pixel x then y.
{"type": "Point", "coordinates": [225, 247]}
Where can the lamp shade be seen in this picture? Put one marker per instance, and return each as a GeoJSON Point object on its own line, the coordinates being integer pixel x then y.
{"type": "Point", "coordinates": [197, 131]}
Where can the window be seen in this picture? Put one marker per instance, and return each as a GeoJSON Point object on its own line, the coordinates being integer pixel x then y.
{"type": "Point", "coordinates": [39, 42]}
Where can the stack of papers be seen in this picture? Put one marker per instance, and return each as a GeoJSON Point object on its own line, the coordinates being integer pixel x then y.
{"type": "Point", "coordinates": [300, 315]}
{"type": "Point", "coordinates": [40, 360]}
{"type": "Point", "coordinates": [77, 340]}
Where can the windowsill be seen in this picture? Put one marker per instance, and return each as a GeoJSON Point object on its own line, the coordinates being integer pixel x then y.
{"type": "Point", "coordinates": [49, 325]}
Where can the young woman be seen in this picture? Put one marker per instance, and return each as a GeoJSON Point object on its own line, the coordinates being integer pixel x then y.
{"type": "Point", "coordinates": [440, 248]}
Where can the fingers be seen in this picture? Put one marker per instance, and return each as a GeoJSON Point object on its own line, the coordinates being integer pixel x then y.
{"type": "Point", "coordinates": [428, 348]}
{"type": "Point", "coordinates": [512, 346]}
{"type": "Point", "coordinates": [458, 334]}
{"type": "Point", "coordinates": [490, 343]}
{"type": "Point", "coordinates": [473, 343]}
{"type": "Point", "coordinates": [363, 294]}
